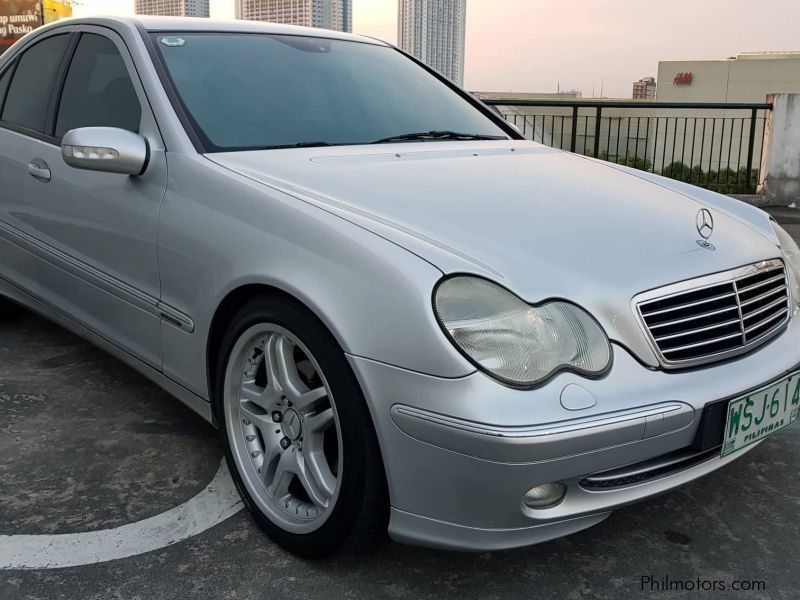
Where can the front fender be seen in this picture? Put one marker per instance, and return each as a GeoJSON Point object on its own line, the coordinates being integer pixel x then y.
{"type": "Point", "coordinates": [219, 231]}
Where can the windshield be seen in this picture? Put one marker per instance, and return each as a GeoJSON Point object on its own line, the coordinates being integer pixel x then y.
{"type": "Point", "coordinates": [256, 91]}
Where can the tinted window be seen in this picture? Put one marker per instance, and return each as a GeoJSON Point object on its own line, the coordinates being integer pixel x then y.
{"type": "Point", "coordinates": [98, 91]}
{"type": "Point", "coordinates": [260, 91]}
{"type": "Point", "coordinates": [29, 94]}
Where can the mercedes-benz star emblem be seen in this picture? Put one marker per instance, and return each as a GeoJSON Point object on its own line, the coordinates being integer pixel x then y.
{"type": "Point", "coordinates": [292, 425]}
{"type": "Point", "coordinates": [705, 227]}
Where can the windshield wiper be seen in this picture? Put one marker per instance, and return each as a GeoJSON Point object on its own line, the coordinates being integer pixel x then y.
{"type": "Point", "coordinates": [435, 136]}
{"type": "Point", "coordinates": [300, 145]}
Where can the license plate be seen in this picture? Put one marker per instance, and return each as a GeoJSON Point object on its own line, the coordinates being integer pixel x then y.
{"type": "Point", "coordinates": [761, 413]}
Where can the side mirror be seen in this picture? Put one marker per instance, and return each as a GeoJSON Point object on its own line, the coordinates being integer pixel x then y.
{"type": "Point", "coordinates": [106, 149]}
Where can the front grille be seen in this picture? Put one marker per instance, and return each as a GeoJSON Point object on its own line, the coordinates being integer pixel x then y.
{"type": "Point", "coordinates": [718, 320]}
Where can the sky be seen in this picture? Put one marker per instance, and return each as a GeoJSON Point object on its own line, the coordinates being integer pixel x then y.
{"type": "Point", "coordinates": [537, 45]}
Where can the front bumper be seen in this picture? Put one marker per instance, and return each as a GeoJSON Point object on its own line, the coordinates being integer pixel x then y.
{"type": "Point", "coordinates": [460, 454]}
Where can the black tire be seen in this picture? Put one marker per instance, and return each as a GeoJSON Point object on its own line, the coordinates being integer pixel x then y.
{"type": "Point", "coordinates": [9, 309]}
{"type": "Point", "coordinates": [359, 518]}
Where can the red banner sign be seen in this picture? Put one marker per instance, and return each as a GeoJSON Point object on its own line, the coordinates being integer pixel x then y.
{"type": "Point", "coordinates": [683, 79]}
{"type": "Point", "coordinates": [18, 17]}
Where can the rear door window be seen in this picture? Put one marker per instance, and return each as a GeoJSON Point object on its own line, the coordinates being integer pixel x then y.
{"type": "Point", "coordinates": [29, 93]}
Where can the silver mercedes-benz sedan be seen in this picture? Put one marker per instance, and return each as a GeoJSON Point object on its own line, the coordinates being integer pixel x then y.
{"type": "Point", "coordinates": [400, 315]}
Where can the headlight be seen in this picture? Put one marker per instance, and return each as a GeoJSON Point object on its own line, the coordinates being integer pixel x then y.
{"type": "Point", "coordinates": [519, 344]}
{"type": "Point", "coordinates": [791, 253]}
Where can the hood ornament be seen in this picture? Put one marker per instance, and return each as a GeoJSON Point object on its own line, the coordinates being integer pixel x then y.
{"type": "Point", "coordinates": [705, 227]}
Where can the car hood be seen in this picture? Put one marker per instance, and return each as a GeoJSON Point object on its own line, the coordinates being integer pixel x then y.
{"type": "Point", "coordinates": [543, 222]}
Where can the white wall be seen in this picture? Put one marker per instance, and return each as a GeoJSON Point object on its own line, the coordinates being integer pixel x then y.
{"type": "Point", "coordinates": [748, 78]}
{"type": "Point", "coordinates": [780, 171]}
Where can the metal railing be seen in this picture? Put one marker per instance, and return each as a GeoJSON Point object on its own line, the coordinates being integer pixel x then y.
{"type": "Point", "coordinates": [716, 146]}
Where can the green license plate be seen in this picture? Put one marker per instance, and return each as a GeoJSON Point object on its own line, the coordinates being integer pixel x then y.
{"type": "Point", "coordinates": [761, 413]}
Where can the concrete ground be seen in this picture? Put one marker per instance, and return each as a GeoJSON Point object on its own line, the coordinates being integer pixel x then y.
{"type": "Point", "coordinates": [87, 444]}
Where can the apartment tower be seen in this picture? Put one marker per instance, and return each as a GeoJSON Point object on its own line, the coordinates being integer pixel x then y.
{"type": "Point", "coordinates": [327, 14]}
{"type": "Point", "coordinates": [173, 8]}
{"type": "Point", "coordinates": [434, 31]}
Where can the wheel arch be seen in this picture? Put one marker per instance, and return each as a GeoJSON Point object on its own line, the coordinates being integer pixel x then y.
{"type": "Point", "coordinates": [225, 316]}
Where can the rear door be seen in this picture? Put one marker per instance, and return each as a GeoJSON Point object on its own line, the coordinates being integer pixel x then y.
{"type": "Point", "coordinates": [23, 116]}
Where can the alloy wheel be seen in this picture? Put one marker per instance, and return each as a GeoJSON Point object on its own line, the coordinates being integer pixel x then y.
{"type": "Point", "coordinates": [283, 427]}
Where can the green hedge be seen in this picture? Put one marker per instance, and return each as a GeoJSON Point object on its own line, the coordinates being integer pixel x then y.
{"type": "Point", "coordinates": [724, 181]}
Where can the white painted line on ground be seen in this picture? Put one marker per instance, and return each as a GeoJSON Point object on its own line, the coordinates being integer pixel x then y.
{"type": "Point", "coordinates": [218, 501]}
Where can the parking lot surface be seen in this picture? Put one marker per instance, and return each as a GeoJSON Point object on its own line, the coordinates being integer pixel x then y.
{"type": "Point", "coordinates": [86, 444]}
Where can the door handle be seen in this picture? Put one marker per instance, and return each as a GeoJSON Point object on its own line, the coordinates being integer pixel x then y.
{"type": "Point", "coordinates": [39, 171]}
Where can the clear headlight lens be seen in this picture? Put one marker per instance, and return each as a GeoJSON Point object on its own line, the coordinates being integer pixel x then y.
{"type": "Point", "coordinates": [791, 253]}
{"type": "Point", "coordinates": [514, 342]}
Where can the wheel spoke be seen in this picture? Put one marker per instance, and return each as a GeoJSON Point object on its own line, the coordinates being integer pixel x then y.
{"type": "Point", "coordinates": [273, 375]}
{"type": "Point", "coordinates": [250, 392]}
{"type": "Point", "coordinates": [272, 456]}
{"type": "Point", "coordinates": [316, 477]}
{"type": "Point", "coordinates": [283, 474]}
{"type": "Point", "coordinates": [286, 369]}
{"type": "Point", "coordinates": [319, 422]}
{"type": "Point", "coordinates": [256, 417]}
{"type": "Point", "coordinates": [306, 401]}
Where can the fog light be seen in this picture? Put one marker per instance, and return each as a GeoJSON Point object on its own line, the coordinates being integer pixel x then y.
{"type": "Point", "coordinates": [545, 495]}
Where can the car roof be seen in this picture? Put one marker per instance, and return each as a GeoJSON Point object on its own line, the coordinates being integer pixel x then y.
{"type": "Point", "coordinates": [188, 24]}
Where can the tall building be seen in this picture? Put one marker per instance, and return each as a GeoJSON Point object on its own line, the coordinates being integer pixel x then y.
{"type": "Point", "coordinates": [327, 14]}
{"type": "Point", "coordinates": [434, 31]}
{"type": "Point", "coordinates": [644, 89]}
{"type": "Point", "coordinates": [173, 8]}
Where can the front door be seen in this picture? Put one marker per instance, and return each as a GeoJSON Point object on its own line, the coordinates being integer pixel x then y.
{"type": "Point", "coordinates": [96, 233]}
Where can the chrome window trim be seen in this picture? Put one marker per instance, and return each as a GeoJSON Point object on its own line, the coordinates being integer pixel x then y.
{"type": "Point", "coordinates": [700, 283]}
